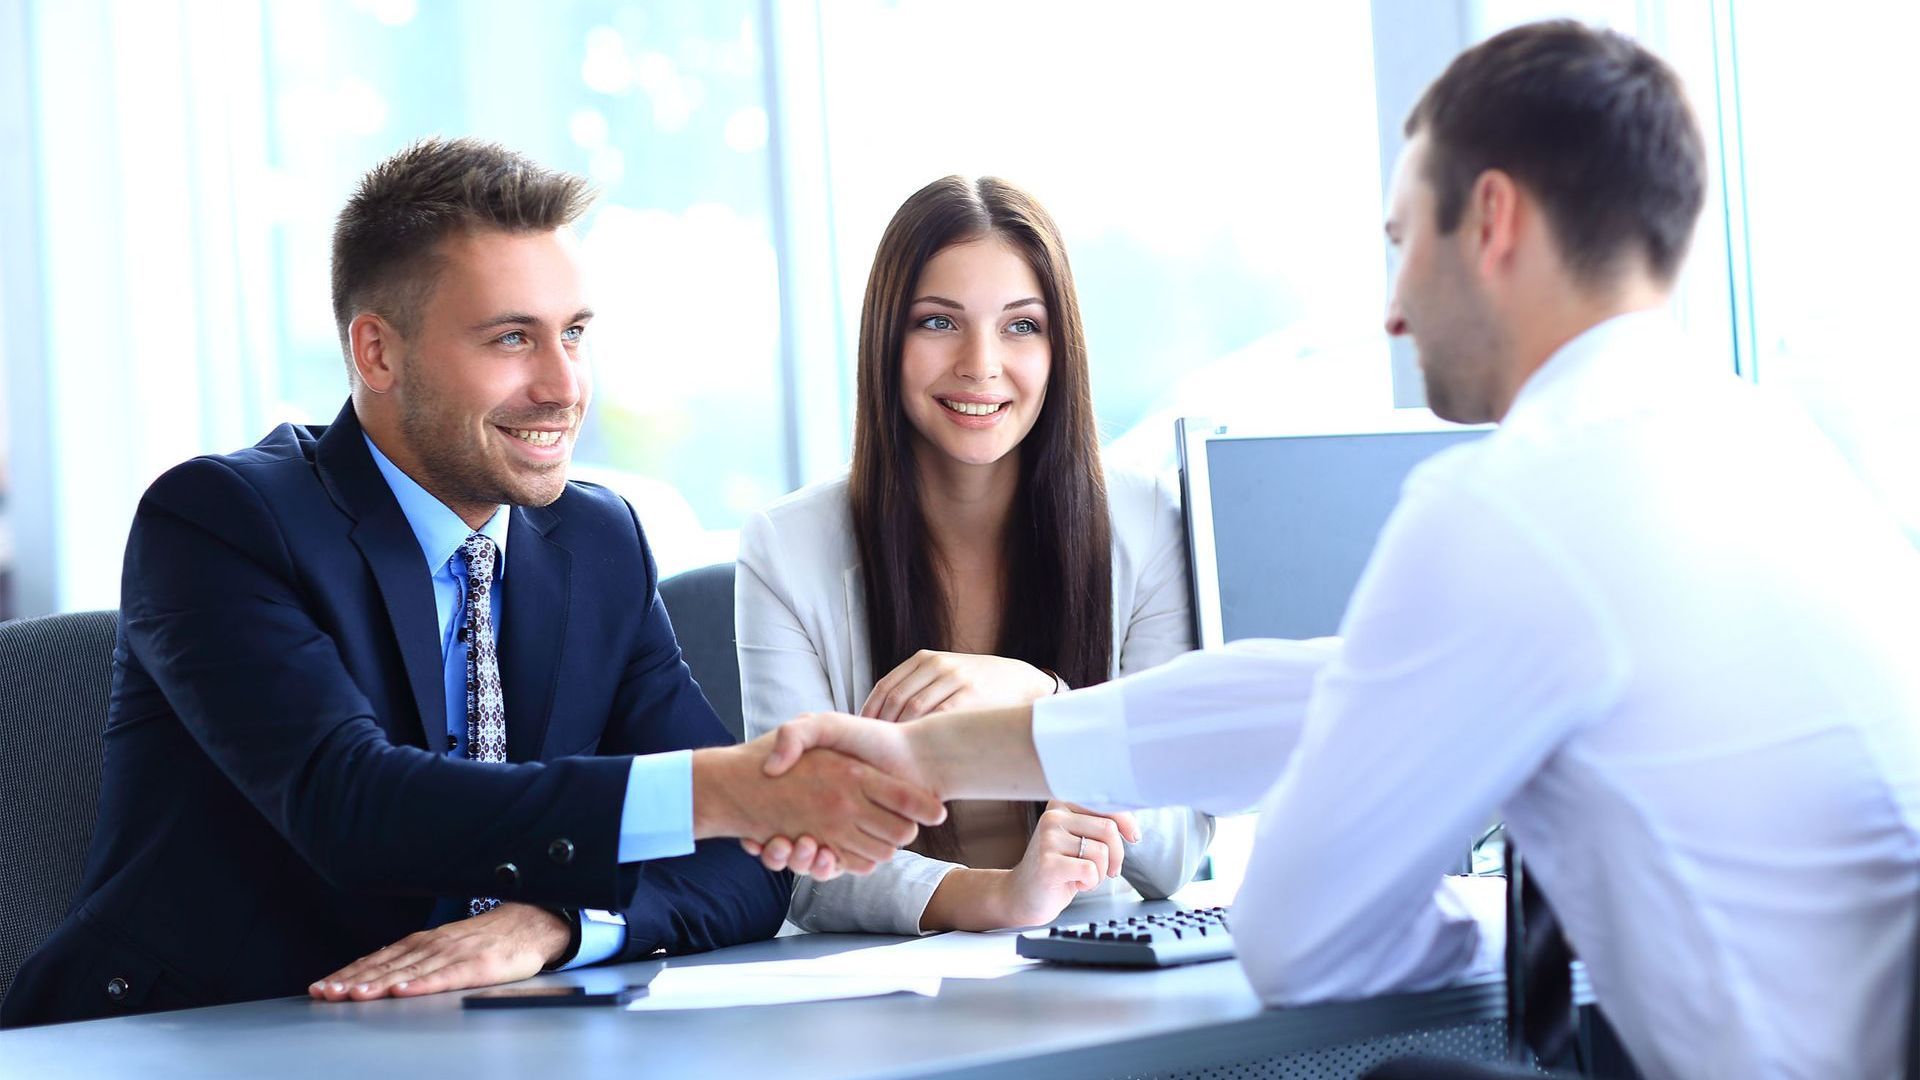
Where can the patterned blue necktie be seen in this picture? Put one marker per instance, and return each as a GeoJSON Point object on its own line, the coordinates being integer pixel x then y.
{"type": "Point", "coordinates": [486, 706]}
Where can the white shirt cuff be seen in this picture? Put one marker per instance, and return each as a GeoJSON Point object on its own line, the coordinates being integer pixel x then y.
{"type": "Point", "coordinates": [602, 935]}
{"type": "Point", "coordinates": [1081, 740]}
{"type": "Point", "coordinates": [656, 819]}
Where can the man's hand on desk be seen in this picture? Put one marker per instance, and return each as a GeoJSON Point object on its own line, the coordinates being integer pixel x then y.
{"type": "Point", "coordinates": [858, 814]}
{"type": "Point", "coordinates": [509, 943]}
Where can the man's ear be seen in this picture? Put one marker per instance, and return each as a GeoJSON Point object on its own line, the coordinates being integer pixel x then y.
{"type": "Point", "coordinates": [377, 349]}
{"type": "Point", "coordinates": [1494, 217]}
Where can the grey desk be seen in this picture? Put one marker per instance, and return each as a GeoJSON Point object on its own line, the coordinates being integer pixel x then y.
{"type": "Point", "coordinates": [1201, 1020]}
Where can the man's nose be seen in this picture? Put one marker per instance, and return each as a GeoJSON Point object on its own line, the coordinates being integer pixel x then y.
{"type": "Point", "coordinates": [1396, 322]}
{"type": "Point", "coordinates": [556, 375]}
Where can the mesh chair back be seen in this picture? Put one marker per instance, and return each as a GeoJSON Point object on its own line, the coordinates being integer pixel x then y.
{"type": "Point", "coordinates": [54, 678]}
{"type": "Point", "coordinates": [700, 603]}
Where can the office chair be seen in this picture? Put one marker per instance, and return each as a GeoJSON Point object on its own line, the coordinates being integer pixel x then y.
{"type": "Point", "coordinates": [1913, 1022]}
{"type": "Point", "coordinates": [54, 678]}
{"type": "Point", "coordinates": [700, 602]}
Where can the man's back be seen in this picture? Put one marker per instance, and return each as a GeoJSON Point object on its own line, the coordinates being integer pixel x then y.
{"type": "Point", "coordinates": [1730, 838]}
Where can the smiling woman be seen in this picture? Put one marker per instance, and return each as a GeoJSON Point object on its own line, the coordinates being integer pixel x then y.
{"type": "Point", "coordinates": [972, 359]}
{"type": "Point", "coordinates": [977, 554]}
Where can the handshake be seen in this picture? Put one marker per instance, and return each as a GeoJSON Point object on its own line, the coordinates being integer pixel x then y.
{"type": "Point", "coordinates": [823, 795]}
{"type": "Point", "coordinates": [829, 793]}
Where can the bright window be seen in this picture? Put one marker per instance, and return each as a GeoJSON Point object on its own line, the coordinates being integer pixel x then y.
{"type": "Point", "coordinates": [1828, 168]}
{"type": "Point", "coordinates": [1215, 170]}
{"type": "Point", "coordinates": [663, 107]}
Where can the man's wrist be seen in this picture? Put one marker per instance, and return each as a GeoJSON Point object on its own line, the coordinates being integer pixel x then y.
{"type": "Point", "coordinates": [985, 754]}
{"type": "Point", "coordinates": [716, 781]}
{"type": "Point", "coordinates": [925, 747]}
{"type": "Point", "coordinates": [571, 949]}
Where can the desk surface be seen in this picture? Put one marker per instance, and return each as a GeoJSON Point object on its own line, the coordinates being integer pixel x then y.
{"type": "Point", "coordinates": [1046, 1020]}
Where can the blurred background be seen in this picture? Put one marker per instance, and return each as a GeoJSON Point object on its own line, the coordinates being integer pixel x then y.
{"type": "Point", "coordinates": [171, 169]}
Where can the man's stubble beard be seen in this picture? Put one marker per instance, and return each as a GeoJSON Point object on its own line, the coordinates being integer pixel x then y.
{"type": "Point", "coordinates": [1462, 354]}
{"type": "Point", "coordinates": [456, 468]}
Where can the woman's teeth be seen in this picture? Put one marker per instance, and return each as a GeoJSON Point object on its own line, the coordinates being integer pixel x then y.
{"type": "Point", "coordinates": [974, 408]}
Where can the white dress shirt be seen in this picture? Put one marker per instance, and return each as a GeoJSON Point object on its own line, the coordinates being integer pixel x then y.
{"type": "Point", "coordinates": [800, 617]}
{"type": "Point", "coordinates": [1656, 621]}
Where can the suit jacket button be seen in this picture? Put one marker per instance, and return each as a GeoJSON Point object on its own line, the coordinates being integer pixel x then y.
{"type": "Point", "coordinates": [117, 988]}
{"type": "Point", "coordinates": [508, 876]}
{"type": "Point", "coordinates": [561, 851]}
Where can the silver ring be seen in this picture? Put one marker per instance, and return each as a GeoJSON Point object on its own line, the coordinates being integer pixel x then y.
{"type": "Point", "coordinates": [1082, 852]}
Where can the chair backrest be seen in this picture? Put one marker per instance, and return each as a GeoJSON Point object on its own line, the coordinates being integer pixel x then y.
{"type": "Point", "coordinates": [54, 678]}
{"type": "Point", "coordinates": [1913, 1023]}
{"type": "Point", "coordinates": [700, 602]}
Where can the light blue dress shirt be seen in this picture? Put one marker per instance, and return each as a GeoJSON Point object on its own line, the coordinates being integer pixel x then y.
{"type": "Point", "coordinates": [656, 817]}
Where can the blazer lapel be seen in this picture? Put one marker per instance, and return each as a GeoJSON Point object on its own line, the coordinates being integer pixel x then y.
{"type": "Point", "coordinates": [859, 663]}
{"type": "Point", "coordinates": [533, 625]}
{"type": "Point", "coordinates": [392, 553]}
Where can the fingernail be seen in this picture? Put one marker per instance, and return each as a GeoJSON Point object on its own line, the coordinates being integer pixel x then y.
{"type": "Point", "coordinates": [316, 985]}
{"type": "Point", "coordinates": [362, 988]}
{"type": "Point", "coordinates": [338, 988]}
{"type": "Point", "coordinates": [399, 986]}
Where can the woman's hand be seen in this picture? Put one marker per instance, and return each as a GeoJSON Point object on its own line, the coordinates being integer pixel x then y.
{"type": "Point", "coordinates": [930, 682]}
{"type": "Point", "coordinates": [1073, 849]}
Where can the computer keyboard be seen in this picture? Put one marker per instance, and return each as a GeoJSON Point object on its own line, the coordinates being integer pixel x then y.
{"type": "Point", "coordinates": [1145, 941]}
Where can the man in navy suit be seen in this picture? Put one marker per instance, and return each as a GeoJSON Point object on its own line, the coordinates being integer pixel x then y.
{"type": "Point", "coordinates": [396, 708]}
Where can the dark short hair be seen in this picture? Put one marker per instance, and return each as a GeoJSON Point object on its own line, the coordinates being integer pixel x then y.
{"type": "Point", "coordinates": [385, 238]}
{"type": "Point", "coordinates": [1594, 126]}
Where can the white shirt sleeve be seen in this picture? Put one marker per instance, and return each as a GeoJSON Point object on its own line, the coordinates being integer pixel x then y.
{"type": "Point", "coordinates": [1211, 729]}
{"type": "Point", "coordinates": [1473, 648]}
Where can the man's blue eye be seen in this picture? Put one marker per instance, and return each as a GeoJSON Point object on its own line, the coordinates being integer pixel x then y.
{"type": "Point", "coordinates": [513, 337]}
{"type": "Point", "coordinates": [573, 333]}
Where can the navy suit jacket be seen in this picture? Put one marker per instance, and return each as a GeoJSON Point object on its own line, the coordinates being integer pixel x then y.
{"type": "Point", "coordinates": [270, 806]}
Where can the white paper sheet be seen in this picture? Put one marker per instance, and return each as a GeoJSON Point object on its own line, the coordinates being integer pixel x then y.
{"type": "Point", "coordinates": [914, 967]}
{"type": "Point", "coordinates": [725, 986]}
{"type": "Point", "coordinates": [956, 955]}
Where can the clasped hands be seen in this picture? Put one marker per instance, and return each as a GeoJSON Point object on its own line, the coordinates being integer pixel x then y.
{"type": "Point", "coordinates": [1072, 848]}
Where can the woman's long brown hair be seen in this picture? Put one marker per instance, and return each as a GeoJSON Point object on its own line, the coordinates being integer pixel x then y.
{"type": "Point", "coordinates": [1057, 606]}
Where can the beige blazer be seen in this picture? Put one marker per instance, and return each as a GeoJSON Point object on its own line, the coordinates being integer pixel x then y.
{"type": "Point", "coordinates": [800, 619]}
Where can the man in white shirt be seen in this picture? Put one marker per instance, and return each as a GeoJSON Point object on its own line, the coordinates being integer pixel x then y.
{"type": "Point", "coordinates": [1653, 620]}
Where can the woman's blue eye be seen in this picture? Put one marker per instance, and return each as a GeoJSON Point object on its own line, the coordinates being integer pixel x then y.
{"type": "Point", "coordinates": [936, 322]}
{"type": "Point", "coordinates": [1024, 326]}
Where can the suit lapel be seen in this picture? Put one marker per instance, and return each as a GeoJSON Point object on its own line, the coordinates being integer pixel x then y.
{"type": "Point", "coordinates": [392, 553]}
{"type": "Point", "coordinates": [533, 625]}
